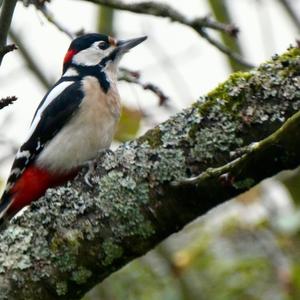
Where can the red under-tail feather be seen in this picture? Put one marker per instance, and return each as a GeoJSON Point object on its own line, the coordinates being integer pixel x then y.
{"type": "Point", "coordinates": [33, 184]}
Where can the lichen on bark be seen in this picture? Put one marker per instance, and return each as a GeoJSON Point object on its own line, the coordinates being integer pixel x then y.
{"type": "Point", "coordinates": [75, 236]}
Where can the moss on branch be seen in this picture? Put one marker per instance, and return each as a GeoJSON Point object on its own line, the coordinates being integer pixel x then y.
{"type": "Point", "coordinates": [76, 236]}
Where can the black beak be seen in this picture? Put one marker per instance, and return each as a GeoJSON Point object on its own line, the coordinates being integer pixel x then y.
{"type": "Point", "coordinates": [121, 48]}
{"type": "Point", "coordinates": [125, 46]}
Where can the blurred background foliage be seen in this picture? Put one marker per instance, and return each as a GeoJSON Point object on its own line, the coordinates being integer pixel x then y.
{"type": "Point", "coordinates": [246, 249]}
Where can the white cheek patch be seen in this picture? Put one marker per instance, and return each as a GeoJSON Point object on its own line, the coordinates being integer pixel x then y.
{"type": "Point", "coordinates": [88, 57]}
{"type": "Point", "coordinates": [91, 56]}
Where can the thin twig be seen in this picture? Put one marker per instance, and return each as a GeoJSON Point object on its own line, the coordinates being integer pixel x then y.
{"type": "Point", "coordinates": [208, 22]}
{"type": "Point", "coordinates": [225, 49]}
{"type": "Point", "coordinates": [50, 17]}
{"type": "Point", "coordinates": [210, 172]}
{"type": "Point", "coordinates": [37, 3]}
{"type": "Point", "coordinates": [7, 101]}
{"type": "Point", "coordinates": [198, 24]}
{"type": "Point", "coordinates": [291, 12]}
{"type": "Point", "coordinates": [221, 12]}
{"type": "Point", "coordinates": [6, 49]}
{"type": "Point", "coordinates": [33, 66]}
{"type": "Point", "coordinates": [134, 77]}
{"type": "Point", "coordinates": [6, 15]}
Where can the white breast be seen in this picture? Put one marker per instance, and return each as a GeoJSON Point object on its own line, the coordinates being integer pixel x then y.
{"type": "Point", "coordinates": [90, 130]}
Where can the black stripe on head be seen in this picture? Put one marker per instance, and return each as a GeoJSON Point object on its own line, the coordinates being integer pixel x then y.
{"type": "Point", "coordinates": [85, 41]}
{"type": "Point", "coordinates": [111, 57]}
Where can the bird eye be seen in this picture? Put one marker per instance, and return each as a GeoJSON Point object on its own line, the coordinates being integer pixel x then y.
{"type": "Point", "coordinates": [103, 45]}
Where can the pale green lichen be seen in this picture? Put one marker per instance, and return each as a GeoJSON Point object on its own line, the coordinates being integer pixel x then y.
{"type": "Point", "coordinates": [14, 244]}
{"type": "Point", "coordinates": [111, 251]}
{"type": "Point", "coordinates": [81, 275]}
{"type": "Point", "coordinates": [128, 180]}
{"type": "Point", "coordinates": [220, 138]}
{"type": "Point", "coordinates": [122, 202]}
{"type": "Point", "coordinates": [244, 184]}
{"type": "Point", "coordinates": [169, 165]}
{"type": "Point", "coordinates": [246, 99]}
{"type": "Point", "coordinates": [231, 88]}
{"type": "Point", "coordinates": [152, 137]}
{"type": "Point", "coordinates": [65, 261]}
{"type": "Point", "coordinates": [61, 288]}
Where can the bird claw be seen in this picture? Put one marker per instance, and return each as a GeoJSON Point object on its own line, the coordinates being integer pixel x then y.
{"type": "Point", "coordinates": [91, 168]}
{"type": "Point", "coordinates": [106, 151]}
{"type": "Point", "coordinates": [88, 174]}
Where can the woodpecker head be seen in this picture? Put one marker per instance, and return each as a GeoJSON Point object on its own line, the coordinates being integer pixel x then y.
{"type": "Point", "coordinates": [98, 49]}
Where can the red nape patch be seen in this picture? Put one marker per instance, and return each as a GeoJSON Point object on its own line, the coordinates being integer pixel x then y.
{"type": "Point", "coordinates": [33, 184]}
{"type": "Point", "coordinates": [69, 55]}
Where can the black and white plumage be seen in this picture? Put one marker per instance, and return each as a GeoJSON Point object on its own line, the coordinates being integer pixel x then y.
{"type": "Point", "coordinates": [75, 119]}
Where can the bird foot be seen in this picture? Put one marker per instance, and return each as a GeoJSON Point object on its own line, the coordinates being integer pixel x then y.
{"type": "Point", "coordinates": [92, 167]}
{"type": "Point", "coordinates": [106, 151]}
{"type": "Point", "coordinates": [89, 173]}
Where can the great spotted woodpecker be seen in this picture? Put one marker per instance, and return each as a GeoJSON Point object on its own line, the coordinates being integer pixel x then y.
{"type": "Point", "coordinates": [75, 119]}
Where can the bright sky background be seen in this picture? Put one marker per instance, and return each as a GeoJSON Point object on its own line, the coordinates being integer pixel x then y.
{"type": "Point", "coordinates": [174, 57]}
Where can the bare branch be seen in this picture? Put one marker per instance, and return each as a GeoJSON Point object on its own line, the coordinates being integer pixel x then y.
{"type": "Point", "coordinates": [135, 77]}
{"type": "Point", "coordinates": [252, 153]}
{"type": "Point", "coordinates": [198, 24]}
{"type": "Point", "coordinates": [6, 49]}
{"type": "Point", "coordinates": [32, 64]}
{"type": "Point", "coordinates": [50, 17]}
{"type": "Point", "coordinates": [291, 12]}
{"type": "Point", "coordinates": [37, 3]}
{"type": "Point", "coordinates": [6, 15]}
{"type": "Point", "coordinates": [225, 49]}
{"type": "Point", "coordinates": [7, 101]}
{"type": "Point", "coordinates": [208, 22]}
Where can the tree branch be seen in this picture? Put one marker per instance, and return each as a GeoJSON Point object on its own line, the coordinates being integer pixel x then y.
{"type": "Point", "coordinates": [6, 15]}
{"type": "Point", "coordinates": [135, 77]}
{"type": "Point", "coordinates": [76, 236]}
{"type": "Point", "coordinates": [221, 11]}
{"type": "Point", "coordinates": [31, 63]}
{"type": "Point", "coordinates": [291, 12]}
{"type": "Point", "coordinates": [278, 144]}
{"type": "Point", "coordinates": [198, 24]}
{"type": "Point", "coordinates": [6, 49]}
{"type": "Point", "coordinates": [50, 17]}
{"type": "Point", "coordinates": [7, 101]}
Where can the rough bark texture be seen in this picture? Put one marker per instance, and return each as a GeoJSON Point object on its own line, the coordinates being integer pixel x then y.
{"type": "Point", "coordinates": [76, 236]}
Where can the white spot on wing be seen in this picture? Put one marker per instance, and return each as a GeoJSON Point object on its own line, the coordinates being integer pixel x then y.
{"type": "Point", "coordinates": [52, 95]}
{"type": "Point", "coordinates": [21, 154]}
{"type": "Point", "coordinates": [38, 146]}
{"type": "Point", "coordinates": [15, 171]}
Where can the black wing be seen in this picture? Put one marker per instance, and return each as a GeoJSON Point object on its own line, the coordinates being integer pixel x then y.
{"type": "Point", "coordinates": [47, 122]}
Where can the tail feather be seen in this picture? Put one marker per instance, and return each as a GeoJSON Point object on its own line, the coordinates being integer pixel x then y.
{"type": "Point", "coordinates": [30, 186]}
{"type": "Point", "coordinates": [5, 203]}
